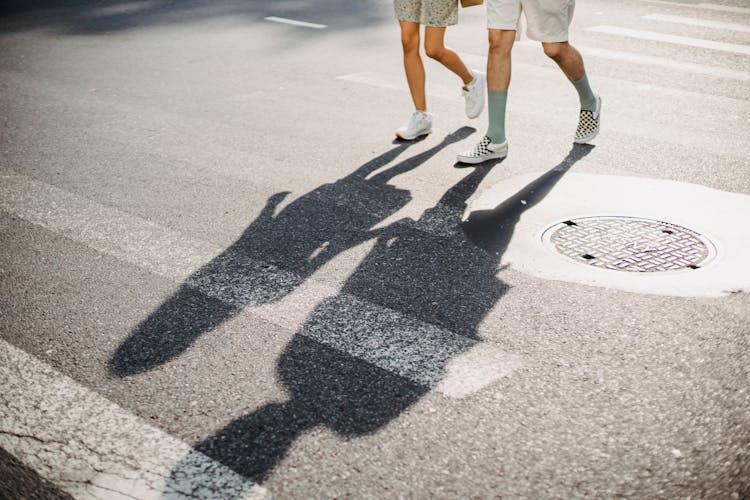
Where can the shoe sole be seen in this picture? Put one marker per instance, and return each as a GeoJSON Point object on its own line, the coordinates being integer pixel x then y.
{"type": "Point", "coordinates": [474, 160]}
{"type": "Point", "coordinates": [586, 139]}
{"type": "Point", "coordinates": [411, 138]}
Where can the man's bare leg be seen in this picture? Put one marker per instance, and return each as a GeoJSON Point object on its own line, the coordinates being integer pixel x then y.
{"type": "Point", "coordinates": [494, 145]}
{"type": "Point", "coordinates": [498, 81]}
{"type": "Point", "coordinates": [571, 63]}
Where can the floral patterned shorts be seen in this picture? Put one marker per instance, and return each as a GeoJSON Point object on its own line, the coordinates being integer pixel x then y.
{"type": "Point", "coordinates": [433, 13]}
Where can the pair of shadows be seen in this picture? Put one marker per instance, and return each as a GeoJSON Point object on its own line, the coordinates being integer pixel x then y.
{"type": "Point", "coordinates": [273, 256]}
{"type": "Point", "coordinates": [432, 274]}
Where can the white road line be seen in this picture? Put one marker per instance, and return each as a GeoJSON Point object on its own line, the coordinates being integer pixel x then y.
{"type": "Point", "coordinates": [690, 21]}
{"type": "Point", "coordinates": [413, 349]}
{"type": "Point", "coordinates": [91, 448]}
{"type": "Point", "coordinates": [631, 57]}
{"type": "Point", "coordinates": [419, 351]}
{"type": "Point", "coordinates": [104, 229]}
{"type": "Point", "coordinates": [388, 82]}
{"type": "Point", "coordinates": [706, 6]}
{"type": "Point", "coordinates": [678, 40]}
{"type": "Point", "coordinates": [678, 127]}
{"type": "Point", "coordinates": [292, 22]}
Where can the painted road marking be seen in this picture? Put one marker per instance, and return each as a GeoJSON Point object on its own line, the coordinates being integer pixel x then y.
{"type": "Point", "coordinates": [690, 21]}
{"type": "Point", "coordinates": [292, 22]}
{"type": "Point", "coordinates": [92, 448]}
{"type": "Point", "coordinates": [676, 129]}
{"type": "Point", "coordinates": [674, 39]}
{"type": "Point", "coordinates": [631, 57]}
{"type": "Point", "coordinates": [707, 6]}
{"type": "Point", "coordinates": [421, 352]}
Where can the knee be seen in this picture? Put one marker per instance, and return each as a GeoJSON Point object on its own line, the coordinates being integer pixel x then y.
{"type": "Point", "coordinates": [434, 51]}
{"type": "Point", "coordinates": [410, 43]}
{"type": "Point", "coordinates": [554, 50]}
{"type": "Point", "coordinates": [500, 43]}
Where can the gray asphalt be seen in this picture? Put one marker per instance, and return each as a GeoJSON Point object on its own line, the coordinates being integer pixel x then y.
{"type": "Point", "coordinates": [208, 123]}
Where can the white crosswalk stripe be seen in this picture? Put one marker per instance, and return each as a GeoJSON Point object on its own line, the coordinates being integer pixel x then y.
{"type": "Point", "coordinates": [661, 62]}
{"type": "Point", "coordinates": [154, 465]}
{"type": "Point", "coordinates": [421, 352]}
{"type": "Point", "coordinates": [679, 128]}
{"type": "Point", "coordinates": [673, 39]}
{"type": "Point", "coordinates": [294, 22]}
{"type": "Point", "coordinates": [705, 23]}
{"type": "Point", "coordinates": [47, 421]}
{"type": "Point", "coordinates": [703, 6]}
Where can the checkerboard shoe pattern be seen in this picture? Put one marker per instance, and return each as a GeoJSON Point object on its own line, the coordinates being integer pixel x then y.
{"type": "Point", "coordinates": [484, 151]}
{"type": "Point", "coordinates": [588, 123]}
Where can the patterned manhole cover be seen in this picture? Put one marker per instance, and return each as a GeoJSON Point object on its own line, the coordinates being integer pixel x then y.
{"type": "Point", "coordinates": [629, 244]}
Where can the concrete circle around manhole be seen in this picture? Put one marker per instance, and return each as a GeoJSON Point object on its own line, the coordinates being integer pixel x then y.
{"type": "Point", "coordinates": [630, 244]}
{"type": "Point", "coordinates": [620, 223]}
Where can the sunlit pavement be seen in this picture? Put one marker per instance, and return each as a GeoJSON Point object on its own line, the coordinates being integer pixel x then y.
{"type": "Point", "coordinates": [223, 278]}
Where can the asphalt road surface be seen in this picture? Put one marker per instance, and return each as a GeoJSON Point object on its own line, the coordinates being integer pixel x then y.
{"type": "Point", "coordinates": [222, 277]}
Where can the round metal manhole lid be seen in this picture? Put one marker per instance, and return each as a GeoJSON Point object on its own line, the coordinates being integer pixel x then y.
{"type": "Point", "coordinates": [629, 244]}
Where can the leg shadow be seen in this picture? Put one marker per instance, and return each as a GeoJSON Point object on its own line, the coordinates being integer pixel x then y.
{"type": "Point", "coordinates": [322, 368]}
{"type": "Point", "coordinates": [366, 355]}
{"type": "Point", "coordinates": [274, 255]}
{"type": "Point", "coordinates": [493, 229]}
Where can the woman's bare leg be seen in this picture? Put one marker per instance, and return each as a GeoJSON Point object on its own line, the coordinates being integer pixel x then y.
{"type": "Point", "coordinates": [434, 46]}
{"type": "Point", "coordinates": [413, 64]}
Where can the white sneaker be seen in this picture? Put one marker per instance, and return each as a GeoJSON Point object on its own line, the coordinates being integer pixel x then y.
{"type": "Point", "coordinates": [419, 124]}
{"type": "Point", "coordinates": [589, 123]}
{"type": "Point", "coordinates": [475, 94]}
{"type": "Point", "coordinates": [484, 151]}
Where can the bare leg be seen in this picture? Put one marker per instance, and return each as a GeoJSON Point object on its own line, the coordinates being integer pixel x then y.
{"type": "Point", "coordinates": [567, 57]}
{"type": "Point", "coordinates": [413, 64]}
{"type": "Point", "coordinates": [498, 81]}
{"type": "Point", "coordinates": [434, 46]}
{"type": "Point", "coordinates": [498, 59]}
{"type": "Point", "coordinates": [570, 61]}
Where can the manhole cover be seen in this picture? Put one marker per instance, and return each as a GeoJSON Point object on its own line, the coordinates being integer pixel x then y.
{"type": "Point", "coordinates": [629, 244]}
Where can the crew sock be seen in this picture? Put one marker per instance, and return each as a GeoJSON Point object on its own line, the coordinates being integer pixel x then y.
{"type": "Point", "coordinates": [496, 101]}
{"type": "Point", "coordinates": [585, 94]}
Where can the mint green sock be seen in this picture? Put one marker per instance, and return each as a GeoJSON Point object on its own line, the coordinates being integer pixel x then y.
{"type": "Point", "coordinates": [496, 101]}
{"type": "Point", "coordinates": [585, 94]}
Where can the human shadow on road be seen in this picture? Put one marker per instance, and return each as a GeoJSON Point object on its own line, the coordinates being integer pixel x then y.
{"type": "Point", "coordinates": [492, 229]}
{"type": "Point", "coordinates": [274, 255]}
{"type": "Point", "coordinates": [412, 270]}
{"type": "Point", "coordinates": [366, 355]}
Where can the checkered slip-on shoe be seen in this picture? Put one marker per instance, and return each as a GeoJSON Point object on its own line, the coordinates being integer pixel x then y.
{"type": "Point", "coordinates": [588, 123]}
{"type": "Point", "coordinates": [484, 151]}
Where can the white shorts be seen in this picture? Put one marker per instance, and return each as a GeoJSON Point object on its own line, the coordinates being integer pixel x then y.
{"type": "Point", "coordinates": [547, 20]}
